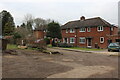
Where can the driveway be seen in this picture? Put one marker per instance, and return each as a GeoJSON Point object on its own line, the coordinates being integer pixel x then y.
{"type": "Point", "coordinates": [34, 64]}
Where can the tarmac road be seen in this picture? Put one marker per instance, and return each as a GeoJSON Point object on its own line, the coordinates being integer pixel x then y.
{"type": "Point", "coordinates": [34, 64]}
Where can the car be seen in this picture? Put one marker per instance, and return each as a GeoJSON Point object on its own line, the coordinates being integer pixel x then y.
{"type": "Point", "coordinates": [114, 47]}
{"type": "Point", "coordinates": [1, 37]}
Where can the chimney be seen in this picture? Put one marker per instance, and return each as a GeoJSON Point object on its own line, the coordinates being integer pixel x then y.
{"type": "Point", "coordinates": [82, 18]}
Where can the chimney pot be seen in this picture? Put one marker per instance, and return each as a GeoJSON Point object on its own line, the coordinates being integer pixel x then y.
{"type": "Point", "coordinates": [82, 18]}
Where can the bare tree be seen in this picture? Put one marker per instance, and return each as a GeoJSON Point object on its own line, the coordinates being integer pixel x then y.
{"type": "Point", "coordinates": [38, 22]}
{"type": "Point", "coordinates": [28, 18]}
{"type": "Point", "coordinates": [49, 21]}
{"type": "Point", "coordinates": [29, 21]}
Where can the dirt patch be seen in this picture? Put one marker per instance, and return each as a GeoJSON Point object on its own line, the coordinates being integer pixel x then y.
{"type": "Point", "coordinates": [83, 72]}
{"type": "Point", "coordinates": [34, 64]}
{"type": "Point", "coordinates": [22, 66]}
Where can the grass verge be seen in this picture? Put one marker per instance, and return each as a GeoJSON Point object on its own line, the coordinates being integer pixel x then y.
{"type": "Point", "coordinates": [12, 46]}
{"type": "Point", "coordinates": [85, 49]}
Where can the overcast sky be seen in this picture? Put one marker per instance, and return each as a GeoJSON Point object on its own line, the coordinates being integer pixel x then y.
{"type": "Point", "coordinates": [62, 10]}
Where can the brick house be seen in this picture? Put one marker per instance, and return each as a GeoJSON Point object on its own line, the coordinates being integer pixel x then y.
{"type": "Point", "coordinates": [40, 32]}
{"type": "Point", "coordinates": [92, 33]}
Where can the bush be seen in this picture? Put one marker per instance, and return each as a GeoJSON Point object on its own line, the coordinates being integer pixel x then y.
{"type": "Point", "coordinates": [49, 45]}
{"type": "Point", "coordinates": [39, 46]}
{"type": "Point", "coordinates": [47, 40]}
{"type": "Point", "coordinates": [65, 45]}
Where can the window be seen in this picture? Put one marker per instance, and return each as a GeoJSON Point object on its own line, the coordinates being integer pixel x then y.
{"type": "Point", "coordinates": [101, 39]}
{"type": "Point", "coordinates": [82, 29]}
{"type": "Point", "coordinates": [66, 30]}
{"type": "Point", "coordinates": [89, 29]}
{"type": "Point", "coordinates": [45, 30]}
{"type": "Point", "coordinates": [82, 40]}
{"type": "Point", "coordinates": [72, 31]}
{"type": "Point", "coordinates": [100, 28]}
{"type": "Point", "coordinates": [65, 40]}
{"type": "Point", "coordinates": [72, 40]}
{"type": "Point", "coordinates": [44, 36]}
{"type": "Point", "coordinates": [111, 28]}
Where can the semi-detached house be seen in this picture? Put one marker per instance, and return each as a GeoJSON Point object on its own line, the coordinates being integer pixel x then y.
{"type": "Point", "coordinates": [92, 33]}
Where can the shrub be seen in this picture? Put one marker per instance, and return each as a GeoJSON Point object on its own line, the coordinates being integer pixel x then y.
{"type": "Point", "coordinates": [65, 45]}
{"type": "Point", "coordinates": [47, 40]}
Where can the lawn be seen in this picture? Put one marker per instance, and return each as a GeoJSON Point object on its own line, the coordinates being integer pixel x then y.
{"type": "Point", "coordinates": [86, 49]}
{"type": "Point", "coordinates": [12, 46]}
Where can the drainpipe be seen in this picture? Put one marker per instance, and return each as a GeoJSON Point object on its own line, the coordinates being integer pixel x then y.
{"type": "Point", "coordinates": [76, 37]}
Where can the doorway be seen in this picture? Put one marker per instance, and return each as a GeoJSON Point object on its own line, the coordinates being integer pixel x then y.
{"type": "Point", "coordinates": [89, 42]}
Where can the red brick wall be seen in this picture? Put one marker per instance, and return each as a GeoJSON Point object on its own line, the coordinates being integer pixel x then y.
{"type": "Point", "coordinates": [93, 33]}
{"type": "Point", "coordinates": [39, 34]}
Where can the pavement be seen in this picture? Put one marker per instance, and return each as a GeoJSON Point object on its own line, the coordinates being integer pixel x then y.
{"type": "Point", "coordinates": [96, 52]}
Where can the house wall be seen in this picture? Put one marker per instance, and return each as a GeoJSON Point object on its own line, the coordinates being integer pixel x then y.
{"type": "Point", "coordinates": [93, 33]}
{"type": "Point", "coordinates": [39, 34]}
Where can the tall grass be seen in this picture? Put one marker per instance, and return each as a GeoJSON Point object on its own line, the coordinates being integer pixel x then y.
{"type": "Point", "coordinates": [12, 46]}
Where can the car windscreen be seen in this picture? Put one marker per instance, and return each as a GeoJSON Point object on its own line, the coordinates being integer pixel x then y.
{"type": "Point", "coordinates": [113, 44]}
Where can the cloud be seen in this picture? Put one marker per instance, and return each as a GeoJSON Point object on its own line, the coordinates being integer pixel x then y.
{"type": "Point", "coordinates": [62, 10]}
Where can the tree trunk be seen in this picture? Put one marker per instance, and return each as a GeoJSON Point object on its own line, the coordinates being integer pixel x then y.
{"type": "Point", "coordinates": [4, 44]}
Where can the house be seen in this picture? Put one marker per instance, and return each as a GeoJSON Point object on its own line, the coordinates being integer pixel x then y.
{"type": "Point", "coordinates": [40, 32]}
{"type": "Point", "coordinates": [91, 33]}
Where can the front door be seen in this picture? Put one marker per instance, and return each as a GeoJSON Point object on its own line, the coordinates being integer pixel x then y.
{"type": "Point", "coordinates": [65, 40]}
{"type": "Point", "coordinates": [89, 42]}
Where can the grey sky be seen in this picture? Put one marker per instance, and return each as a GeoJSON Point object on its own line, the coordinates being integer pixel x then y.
{"type": "Point", "coordinates": [62, 10]}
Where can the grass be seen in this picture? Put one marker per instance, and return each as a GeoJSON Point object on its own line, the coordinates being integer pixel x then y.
{"type": "Point", "coordinates": [12, 46]}
{"type": "Point", "coordinates": [49, 45]}
{"type": "Point", "coordinates": [86, 49]}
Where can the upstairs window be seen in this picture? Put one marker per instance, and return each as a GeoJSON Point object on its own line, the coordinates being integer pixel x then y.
{"type": "Point", "coordinates": [100, 28]}
{"type": "Point", "coordinates": [66, 30]}
{"type": "Point", "coordinates": [45, 30]}
{"type": "Point", "coordinates": [88, 29]}
{"type": "Point", "coordinates": [72, 30]}
{"type": "Point", "coordinates": [82, 29]}
{"type": "Point", "coordinates": [111, 28]}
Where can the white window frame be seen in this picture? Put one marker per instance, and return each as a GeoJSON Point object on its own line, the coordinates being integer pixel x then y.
{"type": "Point", "coordinates": [45, 30]}
{"type": "Point", "coordinates": [64, 40]}
{"type": "Point", "coordinates": [67, 31]}
{"type": "Point", "coordinates": [81, 29]}
{"type": "Point", "coordinates": [45, 36]}
{"type": "Point", "coordinates": [73, 39]}
{"type": "Point", "coordinates": [100, 28]}
{"type": "Point", "coordinates": [111, 28]}
{"type": "Point", "coordinates": [101, 41]}
{"type": "Point", "coordinates": [72, 31]}
{"type": "Point", "coordinates": [89, 29]}
{"type": "Point", "coordinates": [80, 40]}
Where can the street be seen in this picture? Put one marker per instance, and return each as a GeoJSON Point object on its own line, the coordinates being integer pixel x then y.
{"type": "Point", "coordinates": [34, 64]}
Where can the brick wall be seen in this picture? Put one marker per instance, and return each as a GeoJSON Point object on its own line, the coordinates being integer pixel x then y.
{"type": "Point", "coordinates": [39, 34]}
{"type": "Point", "coordinates": [93, 33]}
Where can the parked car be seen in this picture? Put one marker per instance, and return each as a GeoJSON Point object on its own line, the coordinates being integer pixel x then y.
{"type": "Point", "coordinates": [114, 47]}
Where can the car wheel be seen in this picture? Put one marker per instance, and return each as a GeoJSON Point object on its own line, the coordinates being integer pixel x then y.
{"type": "Point", "coordinates": [108, 50]}
{"type": "Point", "coordinates": [119, 50]}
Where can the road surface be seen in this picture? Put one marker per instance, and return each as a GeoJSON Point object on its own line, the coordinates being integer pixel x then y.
{"type": "Point", "coordinates": [34, 64]}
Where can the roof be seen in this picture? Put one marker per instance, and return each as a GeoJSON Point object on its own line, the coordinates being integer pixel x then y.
{"type": "Point", "coordinates": [92, 22]}
{"type": "Point", "coordinates": [40, 28]}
